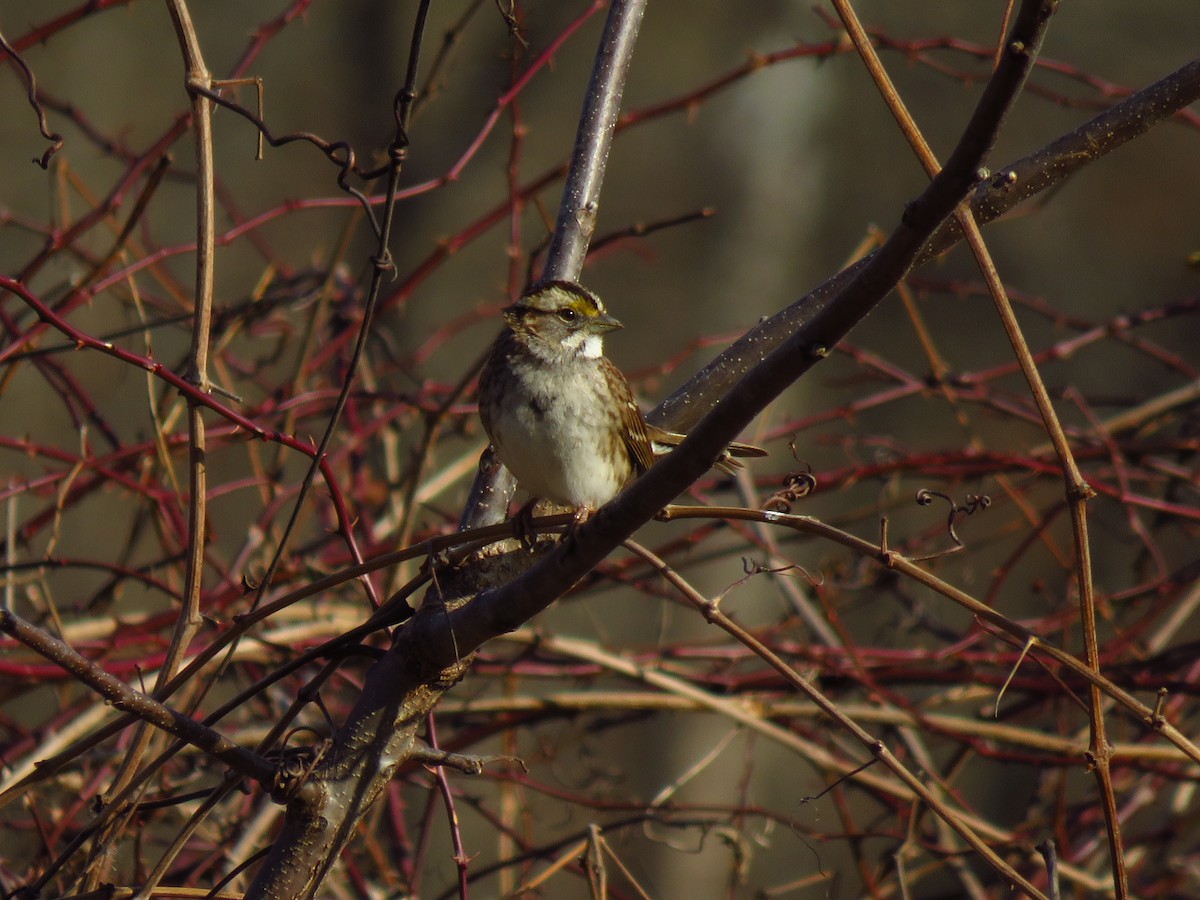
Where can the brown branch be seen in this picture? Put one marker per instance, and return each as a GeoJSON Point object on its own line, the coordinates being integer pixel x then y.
{"type": "Point", "coordinates": [145, 707]}
{"type": "Point", "coordinates": [1077, 490]}
{"type": "Point", "coordinates": [196, 75]}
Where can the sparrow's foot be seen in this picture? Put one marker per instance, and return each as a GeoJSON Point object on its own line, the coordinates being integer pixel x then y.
{"type": "Point", "coordinates": [523, 529]}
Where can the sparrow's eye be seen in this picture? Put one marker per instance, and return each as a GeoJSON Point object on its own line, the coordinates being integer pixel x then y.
{"type": "Point", "coordinates": [568, 315]}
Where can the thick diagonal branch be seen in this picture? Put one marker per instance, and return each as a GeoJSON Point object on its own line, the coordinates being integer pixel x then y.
{"type": "Point", "coordinates": [1002, 192]}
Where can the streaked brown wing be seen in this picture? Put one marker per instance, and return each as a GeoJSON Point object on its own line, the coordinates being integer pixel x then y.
{"type": "Point", "coordinates": [632, 424]}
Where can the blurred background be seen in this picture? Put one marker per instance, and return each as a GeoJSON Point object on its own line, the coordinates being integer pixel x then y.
{"type": "Point", "coordinates": [764, 187]}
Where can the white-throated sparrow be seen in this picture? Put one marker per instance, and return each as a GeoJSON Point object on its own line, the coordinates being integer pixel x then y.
{"type": "Point", "coordinates": [560, 415]}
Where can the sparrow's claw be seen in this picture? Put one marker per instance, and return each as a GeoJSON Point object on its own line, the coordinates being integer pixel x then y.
{"type": "Point", "coordinates": [523, 529]}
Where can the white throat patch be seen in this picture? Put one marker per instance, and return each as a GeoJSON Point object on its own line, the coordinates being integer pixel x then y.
{"type": "Point", "coordinates": [593, 346]}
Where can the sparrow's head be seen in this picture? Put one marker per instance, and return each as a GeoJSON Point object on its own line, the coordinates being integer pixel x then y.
{"type": "Point", "coordinates": [561, 319]}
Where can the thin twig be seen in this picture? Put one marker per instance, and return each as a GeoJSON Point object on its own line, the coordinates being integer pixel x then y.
{"type": "Point", "coordinates": [893, 560]}
{"type": "Point", "coordinates": [869, 742]}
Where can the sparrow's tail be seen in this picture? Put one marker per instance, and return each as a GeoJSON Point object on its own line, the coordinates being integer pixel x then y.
{"type": "Point", "coordinates": [730, 461]}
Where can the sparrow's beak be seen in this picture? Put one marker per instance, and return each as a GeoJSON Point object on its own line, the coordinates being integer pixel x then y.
{"type": "Point", "coordinates": [603, 323]}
